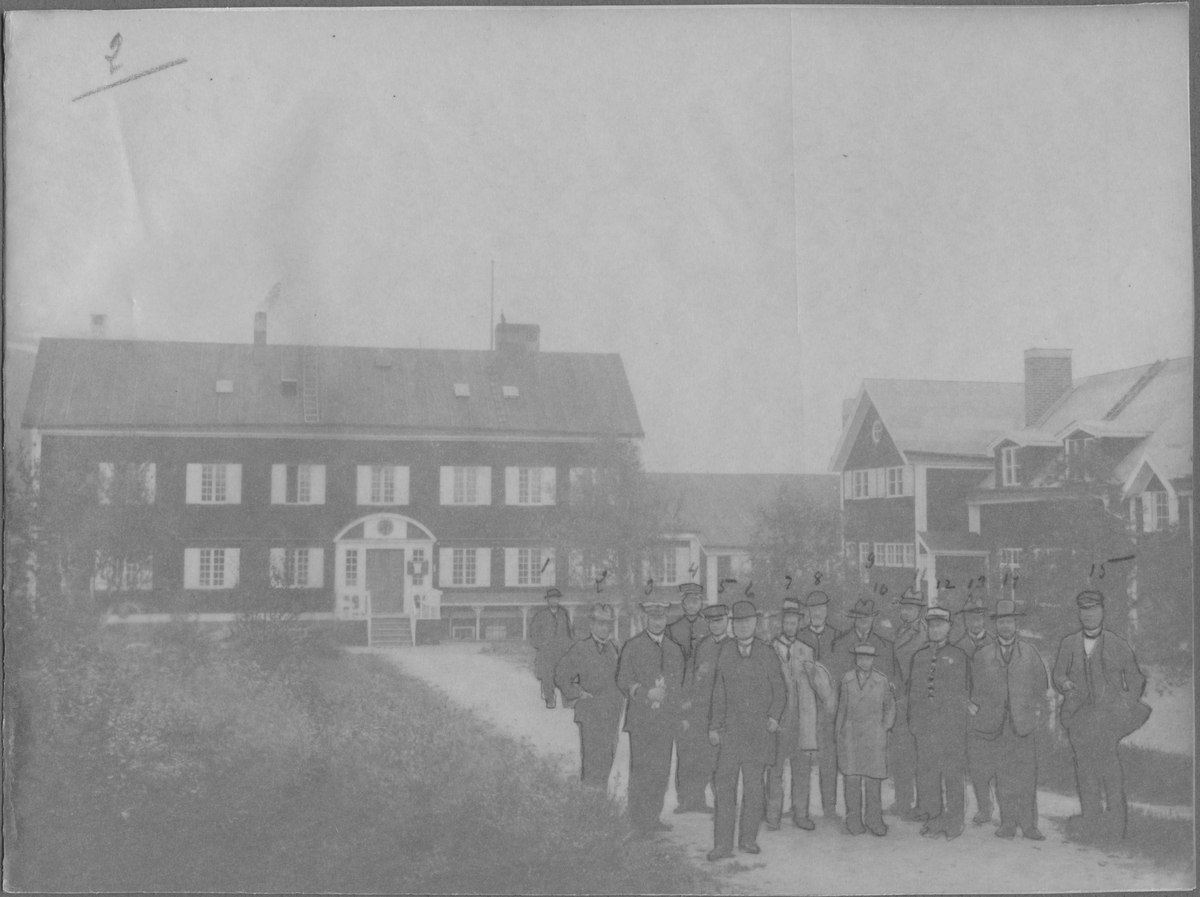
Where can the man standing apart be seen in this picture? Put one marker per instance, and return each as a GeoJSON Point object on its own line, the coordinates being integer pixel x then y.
{"type": "Point", "coordinates": [650, 673]}
{"type": "Point", "coordinates": [820, 636]}
{"type": "Point", "coordinates": [1102, 687]}
{"type": "Point", "coordinates": [808, 685]}
{"type": "Point", "coordinates": [980, 762]}
{"type": "Point", "coordinates": [697, 759]}
{"type": "Point", "coordinates": [551, 635]}
{"type": "Point", "coordinates": [1008, 693]}
{"type": "Point", "coordinates": [687, 631]}
{"type": "Point", "coordinates": [747, 702]}
{"type": "Point", "coordinates": [587, 675]}
{"type": "Point", "coordinates": [866, 710]}
{"type": "Point", "coordinates": [911, 637]}
{"type": "Point", "coordinates": [939, 690]}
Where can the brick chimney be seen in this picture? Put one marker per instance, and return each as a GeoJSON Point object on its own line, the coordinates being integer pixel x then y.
{"type": "Point", "coordinates": [1047, 378]}
{"type": "Point", "coordinates": [99, 326]}
{"type": "Point", "coordinates": [260, 328]}
{"type": "Point", "coordinates": [517, 337]}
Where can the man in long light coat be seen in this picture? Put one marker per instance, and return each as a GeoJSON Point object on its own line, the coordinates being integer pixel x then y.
{"type": "Point", "coordinates": [866, 711]}
{"type": "Point", "coordinates": [808, 685]}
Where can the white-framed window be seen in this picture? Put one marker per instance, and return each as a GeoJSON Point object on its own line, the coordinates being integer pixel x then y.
{"type": "Point", "coordinates": [210, 568]}
{"type": "Point", "coordinates": [1010, 466]}
{"type": "Point", "coordinates": [466, 485]}
{"type": "Point", "coordinates": [297, 484]}
{"type": "Point", "coordinates": [350, 568]}
{"type": "Point", "coordinates": [583, 570]}
{"type": "Point", "coordinates": [529, 485]}
{"type": "Point", "coordinates": [298, 568]}
{"type": "Point", "coordinates": [464, 567]}
{"type": "Point", "coordinates": [899, 480]}
{"type": "Point", "coordinates": [1157, 510]}
{"type": "Point", "coordinates": [381, 484]}
{"type": "Point", "coordinates": [1077, 445]}
{"type": "Point", "coordinates": [1010, 559]}
{"type": "Point", "coordinates": [529, 567]}
{"type": "Point", "coordinates": [130, 483]}
{"type": "Point", "coordinates": [860, 483]}
{"type": "Point", "coordinates": [214, 484]}
{"type": "Point", "coordinates": [893, 554]}
{"type": "Point", "coordinates": [910, 555]}
{"type": "Point", "coordinates": [125, 574]}
{"type": "Point", "coordinates": [669, 567]}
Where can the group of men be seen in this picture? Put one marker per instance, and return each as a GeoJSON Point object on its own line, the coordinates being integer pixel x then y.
{"type": "Point", "coordinates": [915, 708]}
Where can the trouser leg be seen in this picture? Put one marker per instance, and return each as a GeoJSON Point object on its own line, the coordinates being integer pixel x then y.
{"type": "Point", "coordinates": [903, 763]}
{"type": "Point", "coordinates": [801, 775]}
{"type": "Point", "coordinates": [929, 777]}
{"type": "Point", "coordinates": [775, 790]}
{"type": "Point", "coordinates": [547, 688]}
{"type": "Point", "coordinates": [980, 766]}
{"type": "Point", "coordinates": [954, 769]}
{"type": "Point", "coordinates": [598, 740]}
{"type": "Point", "coordinates": [694, 768]}
{"type": "Point", "coordinates": [1016, 778]}
{"type": "Point", "coordinates": [852, 791]}
{"type": "Point", "coordinates": [1112, 779]}
{"type": "Point", "coordinates": [725, 797]}
{"type": "Point", "coordinates": [1087, 774]}
{"type": "Point", "coordinates": [753, 800]}
{"type": "Point", "coordinates": [873, 815]}
{"type": "Point", "coordinates": [827, 762]}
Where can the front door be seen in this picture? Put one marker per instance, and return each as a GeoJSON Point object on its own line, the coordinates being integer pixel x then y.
{"type": "Point", "coordinates": [385, 580]}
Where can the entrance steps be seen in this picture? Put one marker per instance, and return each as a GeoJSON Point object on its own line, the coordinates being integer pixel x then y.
{"type": "Point", "coordinates": [389, 632]}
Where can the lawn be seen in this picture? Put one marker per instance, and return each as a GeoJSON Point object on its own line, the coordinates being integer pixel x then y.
{"type": "Point", "coordinates": [281, 764]}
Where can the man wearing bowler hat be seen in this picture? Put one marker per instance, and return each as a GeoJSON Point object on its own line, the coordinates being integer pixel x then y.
{"type": "Point", "coordinates": [691, 627]}
{"type": "Point", "coordinates": [820, 636]}
{"type": "Point", "coordinates": [749, 696]}
{"type": "Point", "coordinates": [939, 690]}
{"type": "Point", "coordinates": [911, 637]}
{"type": "Point", "coordinates": [980, 768]}
{"type": "Point", "coordinates": [1102, 686]}
{"type": "Point", "coordinates": [808, 685]}
{"type": "Point", "coordinates": [650, 673]}
{"type": "Point", "coordinates": [550, 632]}
{"type": "Point", "coordinates": [974, 617]}
{"type": "Point", "coordinates": [1008, 700]}
{"type": "Point", "coordinates": [697, 761]}
{"type": "Point", "coordinates": [587, 675]}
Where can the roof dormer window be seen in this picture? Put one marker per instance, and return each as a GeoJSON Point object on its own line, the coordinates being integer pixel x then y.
{"type": "Point", "coordinates": [1010, 466]}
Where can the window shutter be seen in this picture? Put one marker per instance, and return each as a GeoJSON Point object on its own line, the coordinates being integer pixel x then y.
{"type": "Point", "coordinates": [483, 566]}
{"type": "Point", "coordinates": [872, 482]}
{"type": "Point", "coordinates": [908, 480]}
{"type": "Point", "coordinates": [1147, 512]}
{"type": "Point", "coordinates": [510, 566]}
{"type": "Point", "coordinates": [847, 479]}
{"type": "Point", "coordinates": [233, 557]}
{"type": "Point", "coordinates": [363, 484]}
{"type": "Point", "coordinates": [549, 479]}
{"type": "Point", "coordinates": [483, 485]}
{"type": "Point", "coordinates": [192, 494]}
{"type": "Point", "coordinates": [278, 484]}
{"type": "Point", "coordinates": [316, 568]}
{"type": "Point", "coordinates": [104, 482]}
{"type": "Point", "coordinates": [277, 574]}
{"type": "Point", "coordinates": [447, 487]}
{"type": "Point", "coordinates": [548, 575]}
{"type": "Point", "coordinates": [683, 559]}
{"type": "Point", "coordinates": [445, 566]}
{"type": "Point", "coordinates": [316, 484]}
{"type": "Point", "coordinates": [575, 568]}
{"type": "Point", "coordinates": [191, 565]}
{"type": "Point", "coordinates": [401, 475]}
{"type": "Point", "coordinates": [233, 484]}
{"type": "Point", "coordinates": [149, 474]}
{"type": "Point", "coordinates": [511, 485]}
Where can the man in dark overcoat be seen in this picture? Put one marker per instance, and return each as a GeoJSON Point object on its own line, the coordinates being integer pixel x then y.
{"type": "Point", "coordinates": [939, 690]}
{"type": "Point", "coordinates": [980, 762]}
{"type": "Point", "coordinates": [1102, 686]}
{"type": "Point", "coordinates": [697, 759]}
{"type": "Point", "coordinates": [748, 699]}
{"type": "Point", "coordinates": [587, 676]}
{"type": "Point", "coordinates": [687, 631]}
{"type": "Point", "coordinates": [550, 632]}
{"type": "Point", "coordinates": [650, 673]}
{"type": "Point", "coordinates": [1008, 702]}
{"type": "Point", "coordinates": [911, 637]}
{"type": "Point", "coordinates": [820, 635]}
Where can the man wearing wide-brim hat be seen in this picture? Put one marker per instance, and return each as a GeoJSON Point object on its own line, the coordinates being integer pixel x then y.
{"type": "Point", "coordinates": [587, 675]}
{"type": "Point", "coordinates": [1102, 686]}
{"type": "Point", "coordinates": [911, 637]}
{"type": "Point", "coordinates": [650, 673]}
{"type": "Point", "coordinates": [980, 768]}
{"type": "Point", "coordinates": [550, 632]}
{"type": "Point", "coordinates": [938, 698]}
{"type": "Point", "coordinates": [1008, 703]}
{"type": "Point", "coordinates": [748, 699]}
{"type": "Point", "coordinates": [820, 635]}
{"type": "Point", "coordinates": [697, 761]}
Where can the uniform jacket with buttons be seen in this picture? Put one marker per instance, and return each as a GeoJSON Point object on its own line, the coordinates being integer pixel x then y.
{"type": "Point", "coordinates": [939, 688]}
{"type": "Point", "coordinates": [643, 663]}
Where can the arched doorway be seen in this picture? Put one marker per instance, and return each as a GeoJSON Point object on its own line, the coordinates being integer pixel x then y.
{"type": "Point", "coordinates": [384, 570]}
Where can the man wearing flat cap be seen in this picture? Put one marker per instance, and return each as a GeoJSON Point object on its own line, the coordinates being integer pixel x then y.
{"type": "Point", "coordinates": [1102, 687]}
{"type": "Point", "coordinates": [980, 768]}
{"type": "Point", "coordinates": [939, 690]}
{"type": "Point", "coordinates": [1008, 701]}
{"type": "Point", "coordinates": [820, 636]}
{"type": "Point", "coordinates": [587, 676]}
{"type": "Point", "coordinates": [650, 673]}
{"type": "Point", "coordinates": [697, 761]}
{"type": "Point", "coordinates": [550, 632]}
{"type": "Point", "coordinates": [911, 637]}
{"type": "Point", "coordinates": [749, 696]}
{"type": "Point", "coordinates": [808, 685]}
{"type": "Point", "coordinates": [866, 710]}
{"type": "Point", "coordinates": [691, 627]}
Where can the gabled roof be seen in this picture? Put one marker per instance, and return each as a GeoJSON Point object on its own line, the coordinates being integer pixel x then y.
{"type": "Point", "coordinates": [939, 417]}
{"type": "Point", "coordinates": [723, 508]}
{"type": "Point", "coordinates": [97, 383]}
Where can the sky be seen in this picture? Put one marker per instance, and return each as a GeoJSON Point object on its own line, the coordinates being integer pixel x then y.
{"type": "Point", "coordinates": [756, 207]}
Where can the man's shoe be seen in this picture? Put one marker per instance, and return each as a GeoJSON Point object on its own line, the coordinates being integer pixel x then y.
{"type": "Point", "coordinates": [719, 853]}
{"type": "Point", "coordinates": [772, 826]}
{"type": "Point", "coordinates": [952, 833]}
{"type": "Point", "coordinates": [551, 704]}
{"type": "Point", "coordinates": [898, 809]}
{"type": "Point", "coordinates": [659, 826]}
{"type": "Point", "coordinates": [1033, 834]}
{"type": "Point", "coordinates": [981, 817]}
{"type": "Point", "coordinates": [916, 814]}
{"type": "Point", "coordinates": [878, 829]}
{"type": "Point", "coordinates": [1008, 832]}
{"type": "Point", "coordinates": [749, 848]}
{"type": "Point", "coordinates": [931, 830]}
{"type": "Point", "coordinates": [805, 823]}
{"type": "Point", "coordinates": [855, 826]}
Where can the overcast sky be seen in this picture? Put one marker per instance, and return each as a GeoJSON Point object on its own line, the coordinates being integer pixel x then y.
{"type": "Point", "coordinates": [756, 207]}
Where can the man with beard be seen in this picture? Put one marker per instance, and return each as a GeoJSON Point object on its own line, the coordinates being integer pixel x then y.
{"type": "Point", "coordinates": [697, 760]}
{"type": "Point", "coordinates": [587, 676]}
